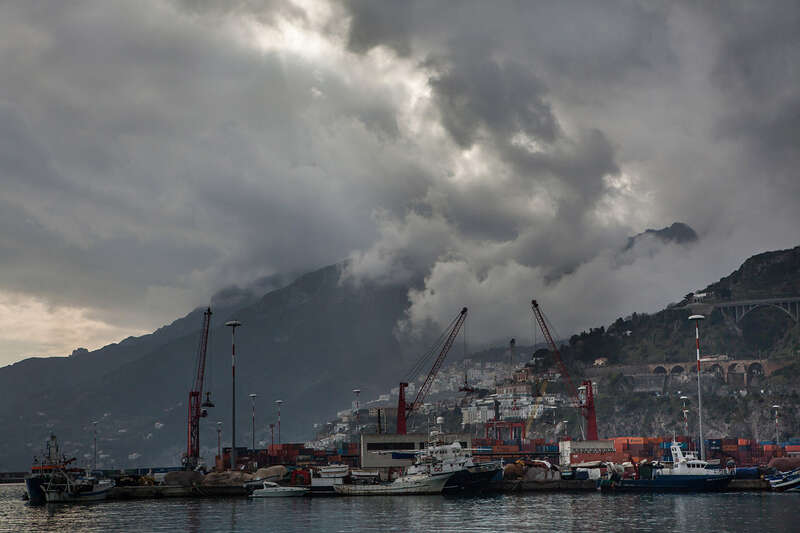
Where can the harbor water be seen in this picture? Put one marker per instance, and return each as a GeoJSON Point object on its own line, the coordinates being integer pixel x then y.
{"type": "Point", "coordinates": [756, 511]}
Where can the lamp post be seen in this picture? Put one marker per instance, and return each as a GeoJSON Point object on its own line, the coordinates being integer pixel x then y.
{"type": "Point", "coordinates": [776, 407]}
{"type": "Point", "coordinates": [697, 319]}
{"type": "Point", "coordinates": [94, 461]}
{"type": "Point", "coordinates": [357, 392]}
{"type": "Point", "coordinates": [685, 416]}
{"type": "Point", "coordinates": [253, 397]}
{"type": "Point", "coordinates": [233, 324]}
{"type": "Point", "coordinates": [278, 403]}
{"type": "Point", "coordinates": [219, 440]}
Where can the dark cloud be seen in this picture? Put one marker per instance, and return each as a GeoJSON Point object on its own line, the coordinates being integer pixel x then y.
{"type": "Point", "coordinates": [153, 153]}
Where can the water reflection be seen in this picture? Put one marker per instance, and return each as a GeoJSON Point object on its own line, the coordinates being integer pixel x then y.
{"type": "Point", "coordinates": [761, 512]}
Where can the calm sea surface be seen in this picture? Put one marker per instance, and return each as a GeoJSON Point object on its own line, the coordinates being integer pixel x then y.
{"type": "Point", "coordinates": [759, 512]}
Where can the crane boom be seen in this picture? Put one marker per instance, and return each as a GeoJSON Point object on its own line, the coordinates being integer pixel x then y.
{"type": "Point", "coordinates": [196, 408]}
{"type": "Point", "coordinates": [587, 402]}
{"type": "Point", "coordinates": [403, 409]}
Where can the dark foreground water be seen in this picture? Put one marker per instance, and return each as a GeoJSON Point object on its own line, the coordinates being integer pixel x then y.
{"type": "Point", "coordinates": [759, 512]}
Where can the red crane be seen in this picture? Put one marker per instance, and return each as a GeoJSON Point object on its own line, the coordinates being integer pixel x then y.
{"type": "Point", "coordinates": [586, 401]}
{"type": "Point", "coordinates": [404, 409]}
{"type": "Point", "coordinates": [196, 409]}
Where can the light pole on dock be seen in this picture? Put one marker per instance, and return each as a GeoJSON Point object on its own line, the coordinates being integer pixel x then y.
{"type": "Point", "coordinates": [776, 407]}
{"type": "Point", "coordinates": [219, 440]}
{"type": "Point", "coordinates": [697, 319]}
{"type": "Point", "coordinates": [253, 429]}
{"type": "Point", "coordinates": [685, 412]}
{"type": "Point", "coordinates": [278, 403]}
{"type": "Point", "coordinates": [233, 324]}
{"type": "Point", "coordinates": [357, 392]}
{"type": "Point", "coordinates": [94, 461]}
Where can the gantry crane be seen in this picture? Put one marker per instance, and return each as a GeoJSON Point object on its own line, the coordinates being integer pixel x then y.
{"type": "Point", "coordinates": [404, 409]}
{"type": "Point", "coordinates": [584, 394]}
{"type": "Point", "coordinates": [196, 409]}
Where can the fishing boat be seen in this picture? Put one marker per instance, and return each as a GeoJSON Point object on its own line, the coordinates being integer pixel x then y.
{"type": "Point", "coordinates": [66, 487]}
{"type": "Point", "coordinates": [785, 481]}
{"type": "Point", "coordinates": [42, 470]}
{"type": "Point", "coordinates": [453, 458]}
{"type": "Point", "coordinates": [325, 478]}
{"type": "Point", "coordinates": [404, 485]}
{"type": "Point", "coordinates": [273, 490]}
{"type": "Point", "coordinates": [686, 474]}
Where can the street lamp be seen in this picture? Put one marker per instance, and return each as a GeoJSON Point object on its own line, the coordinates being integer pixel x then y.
{"type": "Point", "coordinates": [697, 319]}
{"type": "Point", "coordinates": [94, 461]}
{"type": "Point", "coordinates": [219, 440]}
{"type": "Point", "coordinates": [357, 392]}
{"type": "Point", "coordinates": [253, 429]}
{"type": "Point", "coordinates": [233, 324]}
{"type": "Point", "coordinates": [278, 403]}
{"type": "Point", "coordinates": [685, 412]}
{"type": "Point", "coordinates": [776, 407]}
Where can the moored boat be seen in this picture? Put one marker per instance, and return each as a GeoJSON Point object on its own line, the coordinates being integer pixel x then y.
{"type": "Point", "coordinates": [65, 487]}
{"type": "Point", "coordinates": [467, 475]}
{"type": "Point", "coordinates": [325, 478]}
{"type": "Point", "coordinates": [786, 481]}
{"type": "Point", "coordinates": [273, 490]}
{"type": "Point", "coordinates": [687, 474]}
{"type": "Point", "coordinates": [404, 485]}
{"type": "Point", "coordinates": [42, 470]}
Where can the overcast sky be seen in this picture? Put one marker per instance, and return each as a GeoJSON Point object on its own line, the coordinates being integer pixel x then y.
{"type": "Point", "coordinates": [154, 152]}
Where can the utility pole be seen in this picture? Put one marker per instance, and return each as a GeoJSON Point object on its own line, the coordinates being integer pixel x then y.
{"type": "Point", "coordinates": [233, 324]}
{"type": "Point", "coordinates": [697, 319]}
{"type": "Point", "coordinates": [357, 392]}
{"type": "Point", "coordinates": [685, 416]}
{"type": "Point", "coordinates": [777, 439]}
{"type": "Point", "coordinates": [94, 461]}
{"type": "Point", "coordinates": [278, 403]}
{"type": "Point", "coordinates": [253, 427]}
{"type": "Point", "coordinates": [219, 440]}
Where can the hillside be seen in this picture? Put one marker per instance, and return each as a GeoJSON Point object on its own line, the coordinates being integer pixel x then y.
{"type": "Point", "coordinates": [310, 343]}
{"type": "Point", "coordinates": [306, 343]}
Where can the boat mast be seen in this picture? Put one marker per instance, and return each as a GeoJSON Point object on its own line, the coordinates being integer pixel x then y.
{"type": "Point", "coordinates": [697, 319]}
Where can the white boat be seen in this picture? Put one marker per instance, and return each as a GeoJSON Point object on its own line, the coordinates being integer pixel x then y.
{"type": "Point", "coordinates": [273, 490]}
{"type": "Point", "coordinates": [410, 484]}
{"type": "Point", "coordinates": [324, 478]}
{"type": "Point", "coordinates": [786, 481]}
{"type": "Point", "coordinates": [63, 487]}
{"type": "Point", "coordinates": [443, 458]}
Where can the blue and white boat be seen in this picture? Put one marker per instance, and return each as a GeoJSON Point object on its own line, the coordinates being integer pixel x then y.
{"type": "Point", "coordinates": [686, 474]}
{"type": "Point", "coordinates": [785, 481]}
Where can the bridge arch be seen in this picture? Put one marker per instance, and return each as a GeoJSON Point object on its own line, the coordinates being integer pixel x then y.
{"type": "Point", "coordinates": [677, 369]}
{"type": "Point", "coordinates": [717, 370]}
{"type": "Point", "coordinates": [732, 367]}
{"type": "Point", "coordinates": [776, 306]}
{"type": "Point", "coordinates": [755, 369]}
{"type": "Point", "coordinates": [659, 370]}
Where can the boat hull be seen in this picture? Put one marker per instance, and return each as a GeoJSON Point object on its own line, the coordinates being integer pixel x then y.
{"type": "Point", "coordinates": [34, 486]}
{"type": "Point", "coordinates": [787, 484]}
{"type": "Point", "coordinates": [673, 483]}
{"type": "Point", "coordinates": [64, 496]}
{"type": "Point", "coordinates": [472, 479]}
{"type": "Point", "coordinates": [430, 485]}
{"type": "Point", "coordinates": [283, 492]}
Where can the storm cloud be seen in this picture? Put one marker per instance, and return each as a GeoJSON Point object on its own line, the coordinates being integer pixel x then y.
{"type": "Point", "coordinates": [153, 153]}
